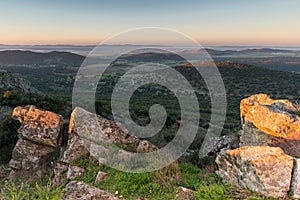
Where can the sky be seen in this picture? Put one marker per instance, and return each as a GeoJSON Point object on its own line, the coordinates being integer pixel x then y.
{"type": "Point", "coordinates": [210, 22]}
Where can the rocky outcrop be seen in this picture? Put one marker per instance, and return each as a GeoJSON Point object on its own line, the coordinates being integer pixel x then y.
{"type": "Point", "coordinates": [9, 82]}
{"type": "Point", "coordinates": [86, 138]}
{"type": "Point", "coordinates": [267, 160]}
{"type": "Point", "coordinates": [43, 127]}
{"type": "Point", "coordinates": [263, 169]}
{"type": "Point", "coordinates": [80, 190]}
{"type": "Point", "coordinates": [40, 134]}
{"type": "Point", "coordinates": [270, 122]}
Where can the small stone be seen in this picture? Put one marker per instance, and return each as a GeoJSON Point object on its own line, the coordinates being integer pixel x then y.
{"type": "Point", "coordinates": [146, 146]}
{"type": "Point", "coordinates": [185, 193]}
{"type": "Point", "coordinates": [60, 174]}
{"type": "Point", "coordinates": [74, 172]}
{"type": "Point", "coordinates": [101, 176]}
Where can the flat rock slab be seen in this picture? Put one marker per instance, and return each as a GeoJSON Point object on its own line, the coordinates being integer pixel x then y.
{"type": "Point", "coordinates": [79, 190]}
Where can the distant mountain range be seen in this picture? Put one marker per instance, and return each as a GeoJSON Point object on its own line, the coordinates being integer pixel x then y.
{"type": "Point", "coordinates": [17, 57]}
{"type": "Point", "coordinates": [280, 59]}
{"type": "Point", "coordinates": [214, 52]}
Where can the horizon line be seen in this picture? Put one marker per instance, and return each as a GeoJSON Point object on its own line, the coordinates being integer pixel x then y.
{"type": "Point", "coordinates": [213, 45]}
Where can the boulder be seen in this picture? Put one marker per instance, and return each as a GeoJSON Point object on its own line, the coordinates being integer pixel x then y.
{"type": "Point", "coordinates": [80, 190]}
{"type": "Point", "coordinates": [263, 169]}
{"type": "Point", "coordinates": [30, 161]}
{"type": "Point", "coordinates": [275, 117]}
{"type": "Point", "coordinates": [43, 127]}
{"type": "Point", "coordinates": [270, 122]}
{"type": "Point", "coordinates": [95, 129]}
{"type": "Point", "coordinates": [89, 133]}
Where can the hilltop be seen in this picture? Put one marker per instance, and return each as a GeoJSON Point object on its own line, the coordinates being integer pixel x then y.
{"type": "Point", "coordinates": [18, 57]}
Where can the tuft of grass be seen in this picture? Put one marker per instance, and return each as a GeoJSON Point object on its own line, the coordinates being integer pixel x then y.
{"type": "Point", "coordinates": [213, 192]}
{"type": "Point", "coordinates": [15, 191]}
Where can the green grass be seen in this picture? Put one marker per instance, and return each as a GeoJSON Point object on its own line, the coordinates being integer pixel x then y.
{"type": "Point", "coordinates": [148, 185]}
{"type": "Point", "coordinates": [133, 186]}
{"type": "Point", "coordinates": [21, 191]}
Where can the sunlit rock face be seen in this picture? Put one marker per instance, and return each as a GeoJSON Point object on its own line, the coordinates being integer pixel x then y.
{"type": "Point", "coordinates": [40, 136]}
{"type": "Point", "coordinates": [279, 118]}
{"type": "Point", "coordinates": [40, 126]}
{"type": "Point", "coordinates": [263, 169]}
{"type": "Point", "coordinates": [270, 122]}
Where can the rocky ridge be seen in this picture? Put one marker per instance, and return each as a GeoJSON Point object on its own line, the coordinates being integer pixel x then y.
{"type": "Point", "coordinates": [40, 136]}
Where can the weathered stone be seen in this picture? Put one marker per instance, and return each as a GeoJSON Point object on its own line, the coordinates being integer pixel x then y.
{"type": "Point", "coordinates": [263, 169]}
{"type": "Point", "coordinates": [216, 144]}
{"type": "Point", "coordinates": [74, 172]}
{"type": "Point", "coordinates": [274, 117]}
{"type": "Point", "coordinates": [40, 126]}
{"type": "Point", "coordinates": [295, 184]}
{"type": "Point", "coordinates": [145, 146]}
{"type": "Point", "coordinates": [97, 129]}
{"type": "Point", "coordinates": [80, 190]}
{"type": "Point", "coordinates": [74, 150]}
{"type": "Point", "coordinates": [268, 122]}
{"type": "Point", "coordinates": [30, 161]}
{"type": "Point", "coordinates": [185, 193]}
{"type": "Point", "coordinates": [252, 136]}
{"type": "Point", "coordinates": [60, 174]}
{"type": "Point", "coordinates": [101, 176]}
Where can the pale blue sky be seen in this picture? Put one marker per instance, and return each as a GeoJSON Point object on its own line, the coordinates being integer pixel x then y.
{"type": "Point", "coordinates": [213, 22]}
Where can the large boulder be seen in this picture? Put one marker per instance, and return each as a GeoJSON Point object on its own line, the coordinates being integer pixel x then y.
{"type": "Point", "coordinates": [92, 127]}
{"type": "Point", "coordinates": [43, 127]}
{"type": "Point", "coordinates": [270, 122]}
{"type": "Point", "coordinates": [263, 169]}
